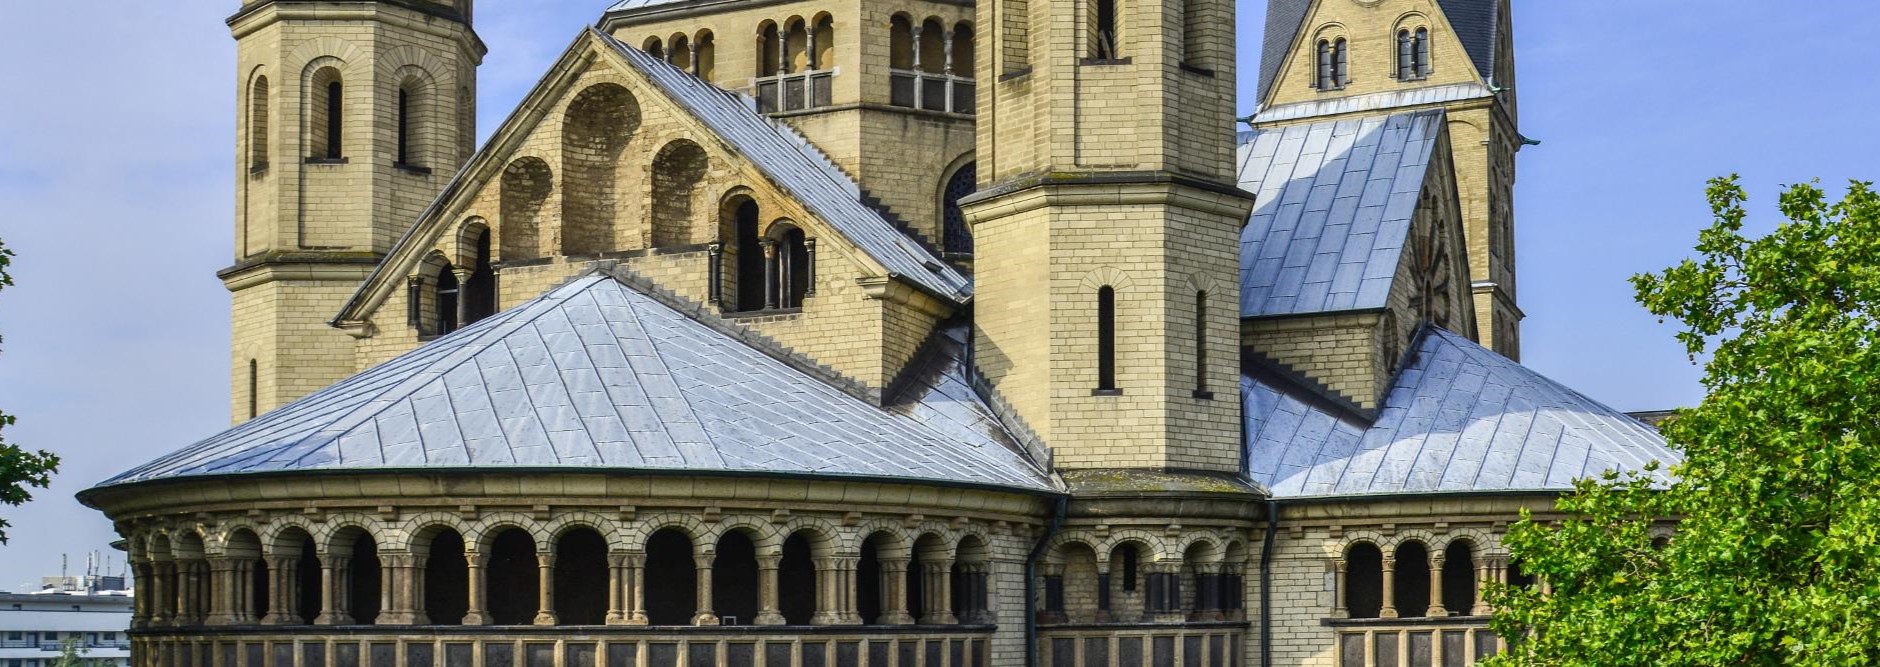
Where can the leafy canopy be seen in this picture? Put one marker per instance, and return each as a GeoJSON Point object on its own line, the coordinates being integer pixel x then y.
{"type": "Point", "coordinates": [1776, 555]}
{"type": "Point", "coordinates": [20, 470]}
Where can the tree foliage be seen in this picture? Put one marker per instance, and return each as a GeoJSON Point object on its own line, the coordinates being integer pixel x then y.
{"type": "Point", "coordinates": [1776, 555]}
{"type": "Point", "coordinates": [20, 470]}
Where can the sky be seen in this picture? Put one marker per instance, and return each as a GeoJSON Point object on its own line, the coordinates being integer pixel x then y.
{"type": "Point", "coordinates": [116, 190]}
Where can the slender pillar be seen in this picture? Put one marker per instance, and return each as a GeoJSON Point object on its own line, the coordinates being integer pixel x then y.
{"type": "Point", "coordinates": [938, 594]}
{"type": "Point", "coordinates": [283, 574]}
{"type": "Point", "coordinates": [919, 74]}
{"type": "Point", "coordinates": [477, 611]}
{"type": "Point", "coordinates": [1436, 586]}
{"type": "Point", "coordinates": [705, 615]}
{"type": "Point", "coordinates": [463, 296]}
{"type": "Point", "coordinates": [545, 604]}
{"type": "Point", "coordinates": [894, 593]}
{"type": "Point", "coordinates": [693, 46]}
{"type": "Point", "coordinates": [1208, 592]}
{"type": "Point", "coordinates": [1482, 577]}
{"type": "Point", "coordinates": [767, 572]}
{"type": "Point", "coordinates": [973, 582]}
{"type": "Point", "coordinates": [809, 257]}
{"type": "Point", "coordinates": [141, 593]}
{"type": "Point", "coordinates": [770, 273]}
{"type": "Point", "coordinates": [164, 607]}
{"type": "Point", "coordinates": [828, 597]}
{"type": "Point", "coordinates": [334, 610]}
{"type": "Point", "coordinates": [219, 587]}
{"type": "Point", "coordinates": [714, 274]}
{"type": "Point", "coordinates": [1390, 588]}
{"type": "Point", "coordinates": [616, 580]}
{"type": "Point", "coordinates": [635, 590]}
{"type": "Point", "coordinates": [809, 48]}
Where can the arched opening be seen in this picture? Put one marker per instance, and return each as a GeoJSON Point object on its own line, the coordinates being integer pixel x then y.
{"type": "Point", "coordinates": [933, 50]}
{"type": "Point", "coordinates": [1364, 581]}
{"type": "Point", "coordinates": [770, 50]}
{"type": "Point", "coordinates": [678, 169]}
{"type": "Point", "coordinates": [597, 127]}
{"type": "Point", "coordinates": [1106, 339]}
{"type": "Point", "coordinates": [926, 570]}
{"type": "Point", "coordinates": [303, 579]}
{"type": "Point", "coordinates": [1410, 587]}
{"type": "Point", "coordinates": [362, 581]}
{"type": "Point", "coordinates": [794, 272]}
{"type": "Point", "coordinates": [580, 572]}
{"type": "Point", "coordinates": [527, 183]}
{"type": "Point", "coordinates": [971, 600]}
{"type": "Point", "coordinates": [1129, 599]}
{"type": "Point", "coordinates": [250, 598]}
{"type": "Point", "coordinates": [1459, 578]}
{"type": "Point", "coordinates": [1104, 40]}
{"type": "Point", "coordinates": [1420, 53]}
{"type": "Point", "coordinates": [900, 43]}
{"type": "Point", "coordinates": [795, 46]}
{"type": "Point", "coordinates": [512, 579]}
{"type": "Point", "coordinates": [1406, 55]}
{"type": "Point", "coordinates": [962, 63]}
{"type": "Point", "coordinates": [796, 581]}
{"type": "Point", "coordinates": [743, 261]}
{"type": "Point", "coordinates": [327, 111]}
{"type": "Point", "coordinates": [192, 581]}
{"type": "Point", "coordinates": [652, 45]}
{"type": "Point", "coordinates": [446, 578]}
{"type": "Point", "coordinates": [1322, 74]}
{"type": "Point", "coordinates": [955, 236]}
{"type": "Point", "coordinates": [1201, 574]}
{"type": "Point", "coordinates": [258, 140]}
{"type": "Point", "coordinates": [404, 153]}
{"type": "Point", "coordinates": [671, 578]}
{"type": "Point", "coordinates": [1341, 63]}
{"type": "Point", "coordinates": [681, 52]}
{"type": "Point", "coordinates": [734, 578]}
{"type": "Point", "coordinates": [868, 583]}
{"type": "Point", "coordinates": [823, 56]}
{"type": "Point", "coordinates": [1201, 344]}
{"type": "Point", "coordinates": [706, 65]}
{"type": "Point", "coordinates": [1079, 595]}
{"type": "Point", "coordinates": [444, 294]}
{"type": "Point", "coordinates": [479, 291]}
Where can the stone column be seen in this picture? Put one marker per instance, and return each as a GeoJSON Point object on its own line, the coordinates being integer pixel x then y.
{"type": "Point", "coordinates": [1208, 592]}
{"type": "Point", "coordinates": [635, 590]}
{"type": "Point", "coordinates": [973, 580]}
{"type": "Point", "coordinates": [783, 60]}
{"type": "Point", "coordinates": [809, 50]}
{"type": "Point", "coordinates": [705, 615]}
{"type": "Point", "coordinates": [333, 609]}
{"type": "Point", "coordinates": [141, 593]}
{"type": "Point", "coordinates": [401, 596]}
{"type": "Point", "coordinates": [545, 604]}
{"type": "Point", "coordinates": [828, 598]}
{"type": "Point", "coordinates": [476, 607]}
{"type": "Point", "coordinates": [218, 612]}
{"type": "Point", "coordinates": [809, 272]}
{"type": "Point", "coordinates": [767, 572]}
{"type": "Point", "coordinates": [693, 46]}
{"type": "Point", "coordinates": [937, 593]}
{"type": "Point", "coordinates": [1436, 586]}
{"type": "Point", "coordinates": [850, 612]}
{"type": "Point", "coordinates": [919, 74]}
{"type": "Point", "coordinates": [770, 273]}
{"type": "Point", "coordinates": [163, 604]}
{"type": "Point", "coordinates": [191, 588]}
{"type": "Point", "coordinates": [1482, 577]}
{"type": "Point", "coordinates": [415, 568]}
{"type": "Point", "coordinates": [1390, 589]}
{"type": "Point", "coordinates": [616, 599]}
{"type": "Point", "coordinates": [283, 573]}
{"type": "Point", "coordinates": [894, 593]}
{"type": "Point", "coordinates": [946, 47]}
{"type": "Point", "coordinates": [463, 295]}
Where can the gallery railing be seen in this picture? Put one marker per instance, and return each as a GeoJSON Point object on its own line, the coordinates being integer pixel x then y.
{"type": "Point", "coordinates": [1455, 641]}
{"type": "Point", "coordinates": [1216, 644]}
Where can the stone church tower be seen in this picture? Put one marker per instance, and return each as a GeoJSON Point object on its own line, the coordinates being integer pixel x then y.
{"type": "Point", "coordinates": [353, 116]}
{"type": "Point", "coordinates": [1106, 229]}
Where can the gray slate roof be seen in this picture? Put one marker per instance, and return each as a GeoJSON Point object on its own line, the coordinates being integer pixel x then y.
{"type": "Point", "coordinates": [1474, 21]}
{"type": "Point", "coordinates": [595, 376]}
{"type": "Point", "coordinates": [1376, 102]}
{"type": "Point", "coordinates": [1334, 203]}
{"type": "Point", "coordinates": [1459, 418]}
{"type": "Point", "coordinates": [802, 170]}
{"type": "Point", "coordinates": [628, 5]}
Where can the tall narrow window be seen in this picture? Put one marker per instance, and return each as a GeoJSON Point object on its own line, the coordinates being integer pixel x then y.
{"type": "Point", "coordinates": [1421, 53]}
{"type": "Point", "coordinates": [1106, 339]}
{"type": "Point", "coordinates": [1341, 63]}
{"type": "Point", "coordinates": [334, 105]}
{"type": "Point", "coordinates": [404, 126]}
{"type": "Point", "coordinates": [254, 388]}
{"type": "Point", "coordinates": [1015, 47]}
{"type": "Point", "coordinates": [1406, 56]}
{"type": "Point", "coordinates": [1201, 345]}
{"type": "Point", "coordinates": [1103, 35]}
{"type": "Point", "coordinates": [258, 125]}
{"type": "Point", "coordinates": [1324, 79]}
{"type": "Point", "coordinates": [446, 300]}
{"type": "Point", "coordinates": [480, 289]}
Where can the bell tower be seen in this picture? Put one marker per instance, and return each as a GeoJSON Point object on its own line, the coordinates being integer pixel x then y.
{"type": "Point", "coordinates": [1106, 226]}
{"type": "Point", "coordinates": [353, 115]}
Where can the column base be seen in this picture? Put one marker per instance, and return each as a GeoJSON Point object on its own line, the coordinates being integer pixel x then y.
{"type": "Point", "coordinates": [616, 617]}
{"type": "Point", "coordinates": [545, 618]}
{"type": "Point", "coordinates": [476, 618]}
{"type": "Point", "coordinates": [705, 618]}
{"type": "Point", "coordinates": [1387, 613]}
{"type": "Point", "coordinates": [940, 619]}
{"type": "Point", "coordinates": [637, 618]}
{"type": "Point", "coordinates": [1437, 611]}
{"type": "Point", "coordinates": [825, 618]}
{"type": "Point", "coordinates": [769, 617]}
{"type": "Point", "coordinates": [333, 618]}
{"type": "Point", "coordinates": [897, 618]}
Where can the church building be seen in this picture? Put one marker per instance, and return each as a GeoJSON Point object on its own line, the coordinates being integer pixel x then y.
{"type": "Point", "coordinates": [900, 333]}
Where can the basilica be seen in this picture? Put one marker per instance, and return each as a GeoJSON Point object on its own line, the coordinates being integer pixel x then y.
{"type": "Point", "coordinates": [899, 333]}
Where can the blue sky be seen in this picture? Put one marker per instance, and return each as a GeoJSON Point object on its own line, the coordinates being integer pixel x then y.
{"type": "Point", "coordinates": [117, 154]}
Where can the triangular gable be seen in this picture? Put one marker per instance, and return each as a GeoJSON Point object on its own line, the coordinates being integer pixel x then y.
{"type": "Point", "coordinates": [598, 375]}
{"type": "Point", "coordinates": [793, 165]}
{"type": "Point", "coordinates": [1475, 23]}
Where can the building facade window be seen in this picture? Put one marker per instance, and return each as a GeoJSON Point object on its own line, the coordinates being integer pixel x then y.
{"type": "Point", "coordinates": [1334, 64]}
{"type": "Point", "coordinates": [1201, 345]}
{"type": "Point", "coordinates": [1413, 54]}
{"type": "Point", "coordinates": [1106, 339]}
{"type": "Point", "coordinates": [1104, 37]}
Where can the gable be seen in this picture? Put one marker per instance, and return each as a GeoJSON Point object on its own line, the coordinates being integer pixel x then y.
{"type": "Point", "coordinates": [1465, 34]}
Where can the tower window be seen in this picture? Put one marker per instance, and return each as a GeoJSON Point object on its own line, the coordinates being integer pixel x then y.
{"type": "Point", "coordinates": [1103, 34]}
{"type": "Point", "coordinates": [1201, 346]}
{"type": "Point", "coordinates": [254, 388]}
{"type": "Point", "coordinates": [1421, 54]}
{"type": "Point", "coordinates": [1334, 64]}
{"type": "Point", "coordinates": [258, 125]}
{"type": "Point", "coordinates": [404, 126]}
{"type": "Point", "coordinates": [446, 301]}
{"type": "Point", "coordinates": [1106, 340]}
{"type": "Point", "coordinates": [335, 93]}
{"type": "Point", "coordinates": [1413, 54]}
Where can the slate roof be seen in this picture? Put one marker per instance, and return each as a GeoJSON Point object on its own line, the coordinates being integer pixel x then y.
{"type": "Point", "coordinates": [1333, 204]}
{"type": "Point", "coordinates": [1377, 102]}
{"type": "Point", "coordinates": [1475, 23]}
{"type": "Point", "coordinates": [596, 375]}
{"type": "Point", "coordinates": [801, 169]}
{"type": "Point", "coordinates": [1459, 418]}
{"type": "Point", "coordinates": [628, 5]}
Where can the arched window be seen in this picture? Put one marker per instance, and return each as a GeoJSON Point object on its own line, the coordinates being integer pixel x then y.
{"type": "Point", "coordinates": [1421, 57]}
{"type": "Point", "coordinates": [444, 299]}
{"type": "Point", "coordinates": [678, 169]}
{"type": "Point", "coordinates": [653, 46]}
{"type": "Point", "coordinates": [249, 577]}
{"type": "Point", "coordinates": [962, 52]}
{"type": "Point", "coordinates": [254, 388]}
{"type": "Point", "coordinates": [1459, 578]}
{"type": "Point", "coordinates": [1341, 63]}
{"type": "Point", "coordinates": [794, 270]}
{"type": "Point", "coordinates": [1322, 80]}
{"type": "Point", "coordinates": [258, 140]}
{"type": "Point", "coordinates": [446, 579]}
{"type": "Point", "coordinates": [1410, 589]}
{"type": "Point", "coordinates": [1126, 601]}
{"type": "Point", "coordinates": [796, 47]}
{"type": "Point", "coordinates": [580, 569]}
{"type": "Point", "coordinates": [512, 579]}
{"type": "Point", "coordinates": [770, 53]}
{"type": "Point", "coordinates": [681, 52]}
{"type": "Point", "coordinates": [595, 131]}
{"type": "Point", "coordinates": [796, 581]}
{"type": "Point", "coordinates": [734, 578]}
{"type": "Point", "coordinates": [933, 49]}
{"type": "Point", "coordinates": [742, 287]}
{"type": "Point", "coordinates": [705, 66]}
{"type": "Point", "coordinates": [328, 110]}
{"type": "Point", "coordinates": [869, 588]}
{"type": "Point", "coordinates": [971, 598]}
{"type": "Point", "coordinates": [1104, 40]}
{"type": "Point", "coordinates": [900, 43]}
{"type": "Point", "coordinates": [1413, 54]}
{"type": "Point", "coordinates": [671, 578]}
{"type": "Point", "coordinates": [303, 579]}
{"type": "Point", "coordinates": [823, 53]}
{"type": "Point", "coordinates": [1201, 345]}
{"type": "Point", "coordinates": [1106, 339]}
{"type": "Point", "coordinates": [526, 185]}
{"type": "Point", "coordinates": [362, 577]}
{"type": "Point", "coordinates": [404, 126]}
{"type": "Point", "coordinates": [1364, 581]}
{"type": "Point", "coordinates": [955, 236]}
{"type": "Point", "coordinates": [479, 292]}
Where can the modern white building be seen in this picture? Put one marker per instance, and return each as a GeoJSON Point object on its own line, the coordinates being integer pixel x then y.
{"type": "Point", "coordinates": [35, 626]}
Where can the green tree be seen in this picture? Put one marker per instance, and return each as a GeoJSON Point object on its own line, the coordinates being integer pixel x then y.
{"type": "Point", "coordinates": [1776, 555]}
{"type": "Point", "coordinates": [20, 470]}
{"type": "Point", "coordinates": [72, 654]}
